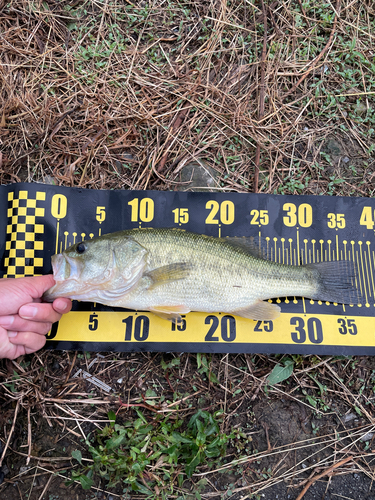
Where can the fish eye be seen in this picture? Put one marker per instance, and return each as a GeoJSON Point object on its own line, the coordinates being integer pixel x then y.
{"type": "Point", "coordinates": [80, 248]}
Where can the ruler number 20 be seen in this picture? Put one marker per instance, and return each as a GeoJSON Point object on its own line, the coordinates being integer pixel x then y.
{"type": "Point", "coordinates": [227, 327]}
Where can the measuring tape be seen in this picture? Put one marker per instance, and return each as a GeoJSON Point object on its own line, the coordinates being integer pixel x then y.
{"type": "Point", "coordinates": [37, 221]}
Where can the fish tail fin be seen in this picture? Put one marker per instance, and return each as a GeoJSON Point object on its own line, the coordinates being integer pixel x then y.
{"type": "Point", "coordinates": [337, 282]}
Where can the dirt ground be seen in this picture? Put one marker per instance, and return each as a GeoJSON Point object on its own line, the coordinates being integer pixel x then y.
{"type": "Point", "coordinates": [293, 432]}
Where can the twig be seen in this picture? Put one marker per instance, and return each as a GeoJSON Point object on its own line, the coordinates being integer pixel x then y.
{"type": "Point", "coordinates": [29, 441]}
{"type": "Point", "coordinates": [176, 125]}
{"type": "Point", "coordinates": [322, 474]}
{"type": "Point", "coordinates": [46, 486]}
{"type": "Point", "coordinates": [11, 432]}
{"type": "Point", "coordinates": [261, 96]}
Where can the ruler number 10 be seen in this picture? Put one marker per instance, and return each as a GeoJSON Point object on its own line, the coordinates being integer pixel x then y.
{"type": "Point", "coordinates": [141, 328]}
{"type": "Point", "coordinates": [142, 210]}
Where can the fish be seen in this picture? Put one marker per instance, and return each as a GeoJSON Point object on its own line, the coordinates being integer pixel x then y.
{"type": "Point", "coordinates": [171, 272]}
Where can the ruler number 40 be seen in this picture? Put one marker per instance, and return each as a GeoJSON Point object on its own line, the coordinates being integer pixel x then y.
{"type": "Point", "coordinates": [367, 217]}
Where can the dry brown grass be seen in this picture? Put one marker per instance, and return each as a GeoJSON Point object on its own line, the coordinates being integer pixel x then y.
{"type": "Point", "coordinates": [100, 94]}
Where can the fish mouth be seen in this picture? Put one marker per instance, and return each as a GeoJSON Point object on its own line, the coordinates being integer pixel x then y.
{"type": "Point", "coordinates": [66, 273]}
{"type": "Point", "coordinates": [65, 268]}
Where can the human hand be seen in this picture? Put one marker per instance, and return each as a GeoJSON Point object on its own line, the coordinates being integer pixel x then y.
{"type": "Point", "coordinates": [24, 319]}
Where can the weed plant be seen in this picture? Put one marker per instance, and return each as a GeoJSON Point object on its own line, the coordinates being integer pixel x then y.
{"type": "Point", "coordinates": [152, 456]}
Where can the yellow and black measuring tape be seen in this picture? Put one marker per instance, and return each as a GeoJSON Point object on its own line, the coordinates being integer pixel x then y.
{"type": "Point", "coordinates": [37, 221]}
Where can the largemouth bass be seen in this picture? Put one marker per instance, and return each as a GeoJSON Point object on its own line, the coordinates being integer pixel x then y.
{"type": "Point", "coordinates": [172, 272]}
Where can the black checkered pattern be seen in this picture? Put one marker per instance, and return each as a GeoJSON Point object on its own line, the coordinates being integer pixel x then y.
{"type": "Point", "coordinates": [24, 242]}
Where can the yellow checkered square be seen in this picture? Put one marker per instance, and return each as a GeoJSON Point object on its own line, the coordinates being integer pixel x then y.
{"type": "Point", "coordinates": [30, 219]}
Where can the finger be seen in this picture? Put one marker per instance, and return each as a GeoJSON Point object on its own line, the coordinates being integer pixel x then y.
{"type": "Point", "coordinates": [30, 340]}
{"type": "Point", "coordinates": [18, 324]}
{"type": "Point", "coordinates": [35, 286]}
{"type": "Point", "coordinates": [42, 312]}
{"type": "Point", "coordinates": [62, 305]}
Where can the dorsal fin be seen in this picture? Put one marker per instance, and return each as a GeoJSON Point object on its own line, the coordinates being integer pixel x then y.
{"type": "Point", "coordinates": [250, 244]}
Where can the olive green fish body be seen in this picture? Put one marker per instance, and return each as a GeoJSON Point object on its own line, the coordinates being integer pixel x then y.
{"type": "Point", "coordinates": [222, 277]}
{"type": "Point", "coordinates": [171, 272]}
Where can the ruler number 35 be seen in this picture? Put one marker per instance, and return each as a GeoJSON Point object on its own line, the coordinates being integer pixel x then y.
{"type": "Point", "coordinates": [347, 326]}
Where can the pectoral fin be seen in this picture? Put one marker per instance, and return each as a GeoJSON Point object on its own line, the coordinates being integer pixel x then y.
{"type": "Point", "coordinates": [259, 311]}
{"type": "Point", "coordinates": [168, 274]}
{"type": "Point", "coordinates": [170, 312]}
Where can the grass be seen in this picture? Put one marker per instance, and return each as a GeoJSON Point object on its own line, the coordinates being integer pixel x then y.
{"type": "Point", "coordinates": [96, 83]}
{"type": "Point", "coordinates": [107, 94]}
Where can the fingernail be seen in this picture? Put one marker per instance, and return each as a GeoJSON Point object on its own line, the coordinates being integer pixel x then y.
{"type": "Point", "coordinates": [62, 306]}
{"type": "Point", "coordinates": [12, 334]}
{"type": "Point", "coordinates": [6, 321]}
{"type": "Point", "coordinates": [28, 312]}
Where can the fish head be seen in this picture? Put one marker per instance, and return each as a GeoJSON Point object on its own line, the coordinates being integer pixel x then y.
{"type": "Point", "coordinates": [101, 269]}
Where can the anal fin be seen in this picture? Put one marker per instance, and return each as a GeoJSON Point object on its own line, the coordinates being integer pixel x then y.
{"type": "Point", "coordinates": [170, 312]}
{"type": "Point", "coordinates": [262, 311]}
